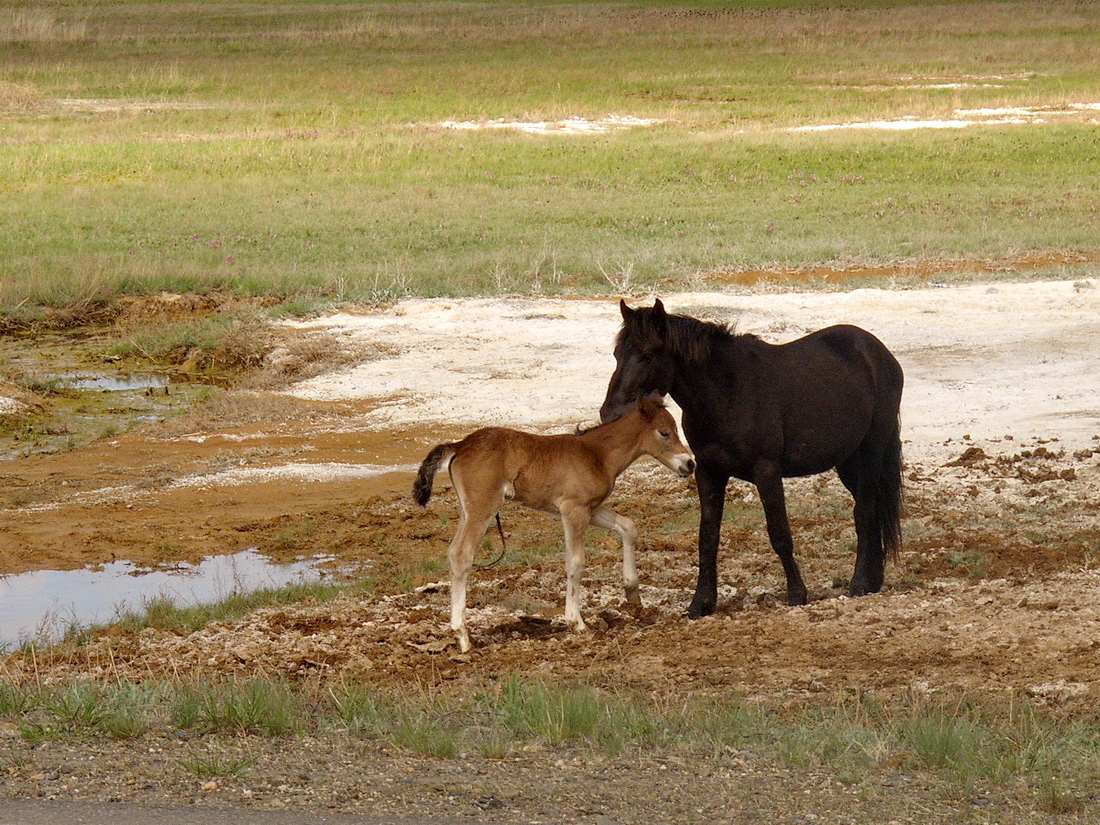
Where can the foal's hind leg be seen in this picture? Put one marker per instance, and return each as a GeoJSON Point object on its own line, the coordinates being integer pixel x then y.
{"type": "Point", "coordinates": [461, 557]}
{"type": "Point", "coordinates": [610, 520]}
{"type": "Point", "coordinates": [475, 518]}
{"type": "Point", "coordinates": [870, 568]}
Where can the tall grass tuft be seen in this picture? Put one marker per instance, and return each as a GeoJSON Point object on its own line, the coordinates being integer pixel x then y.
{"type": "Point", "coordinates": [259, 706]}
{"type": "Point", "coordinates": [560, 715]}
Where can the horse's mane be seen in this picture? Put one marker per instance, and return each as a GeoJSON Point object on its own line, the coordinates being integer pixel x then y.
{"type": "Point", "coordinates": [688, 338]}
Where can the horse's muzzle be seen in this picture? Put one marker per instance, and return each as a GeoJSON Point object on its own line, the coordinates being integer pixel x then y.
{"type": "Point", "coordinates": [612, 412]}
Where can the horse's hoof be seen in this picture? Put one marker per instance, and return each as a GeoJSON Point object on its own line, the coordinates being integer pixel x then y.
{"type": "Point", "coordinates": [796, 599]}
{"type": "Point", "coordinates": [697, 610]}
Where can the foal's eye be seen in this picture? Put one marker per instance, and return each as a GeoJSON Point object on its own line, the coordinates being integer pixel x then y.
{"type": "Point", "coordinates": [664, 433]}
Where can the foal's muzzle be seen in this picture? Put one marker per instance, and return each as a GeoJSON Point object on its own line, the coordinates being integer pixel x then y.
{"type": "Point", "coordinates": [686, 468]}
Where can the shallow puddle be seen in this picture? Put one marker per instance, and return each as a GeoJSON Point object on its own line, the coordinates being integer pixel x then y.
{"type": "Point", "coordinates": [86, 395]}
{"type": "Point", "coordinates": [122, 382]}
{"type": "Point", "coordinates": [43, 604]}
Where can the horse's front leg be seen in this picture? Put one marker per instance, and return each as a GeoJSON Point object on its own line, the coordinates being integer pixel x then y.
{"type": "Point", "coordinates": [610, 520]}
{"type": "Point", "coordinates": [768, 476]}
{"type": "Point", "coordinates": [711, 485]}
{"type": "Point", "coordinates": [574, 520]}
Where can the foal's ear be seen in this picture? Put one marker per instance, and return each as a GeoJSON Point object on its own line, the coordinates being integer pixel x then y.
{"type": "Point", "coordinates": [650, 403]}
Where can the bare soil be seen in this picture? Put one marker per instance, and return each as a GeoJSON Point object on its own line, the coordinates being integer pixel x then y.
{"type": "Point", "coordinates": [996, 594]}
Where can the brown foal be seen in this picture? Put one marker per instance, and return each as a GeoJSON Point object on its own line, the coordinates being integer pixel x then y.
{"type": "Point", "coordinates": [570, 475]}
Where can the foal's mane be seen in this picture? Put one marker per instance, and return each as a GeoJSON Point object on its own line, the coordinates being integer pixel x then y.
{"type": "Point", "coordinates": [688, 338]}
{"type": "Point", "coordinates": [580, 429]}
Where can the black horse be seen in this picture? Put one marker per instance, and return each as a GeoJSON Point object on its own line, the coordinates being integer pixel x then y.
{"type": "Point", "coordinates": [761, 413]}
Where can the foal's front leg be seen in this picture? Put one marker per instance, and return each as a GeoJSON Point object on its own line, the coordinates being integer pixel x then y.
{"type": "Point", "coordinates": [574, 520]}
{"type": "Point", "coordinates": [610, 520]}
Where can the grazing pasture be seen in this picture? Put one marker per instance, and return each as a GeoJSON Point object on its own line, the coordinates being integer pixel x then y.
{"type": "Point", "coordinates": [303, 150]}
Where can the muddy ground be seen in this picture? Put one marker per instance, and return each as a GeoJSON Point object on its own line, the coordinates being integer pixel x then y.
{"type": "Point", "coordinates": [996, 593]}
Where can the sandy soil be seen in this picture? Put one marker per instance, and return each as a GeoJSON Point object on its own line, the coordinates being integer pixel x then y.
{"type": "Point", "coordinates": [996, 592]}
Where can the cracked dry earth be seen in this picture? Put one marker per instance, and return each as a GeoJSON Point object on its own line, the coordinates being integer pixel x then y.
{"type": "Point", "coordinates": [995, 595]}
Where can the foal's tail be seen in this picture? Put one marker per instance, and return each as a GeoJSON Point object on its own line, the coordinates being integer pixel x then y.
{"type": "Point", "coordinates": [439, 458]}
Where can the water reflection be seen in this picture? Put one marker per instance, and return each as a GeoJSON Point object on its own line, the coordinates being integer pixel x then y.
{"type": "Point", "coordinates": [43, 604]}
{"type": "Point", "coordinates": [123, 382]}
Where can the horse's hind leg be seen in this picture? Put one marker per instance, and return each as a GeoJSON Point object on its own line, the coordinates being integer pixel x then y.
{"type": "Point", "coordinates": [769, 483]}
{"type": "Point", "coordinates": [610, 520]}
{"type": "Point", "coordinates": [870, 570]}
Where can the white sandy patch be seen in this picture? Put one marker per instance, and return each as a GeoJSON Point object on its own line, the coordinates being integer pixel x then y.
{"type": "Point", "coordinates": [964, 118]}
{"type": "Point", "coordinates": [321, 471]}
{"type": "Point", "coordinates": [9, 406]}
{"type": "Point", "coordinates": [110, 105]}
{"type": "Point", "coordinates": [131, 494]}
{"type": "Point", "coordinates": [565, 126]}
{"type": "Point", "coordinates": [1020, 359]}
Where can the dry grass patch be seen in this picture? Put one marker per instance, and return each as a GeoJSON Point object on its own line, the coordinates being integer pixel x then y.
{"type": "Point", "coordinates": [39, 26]}
{"type": "Point", "coordinates": [19, 96]}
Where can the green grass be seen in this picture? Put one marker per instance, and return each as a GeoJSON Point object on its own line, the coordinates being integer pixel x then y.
{"type": "Point", "coordinates": [216, 765]}
{"type": "Point", "coordinates": [164, 614]}
{"type": "Point", "coordinates": [296, 150]}
{"type": "Point", "coordinates": [966, 745]}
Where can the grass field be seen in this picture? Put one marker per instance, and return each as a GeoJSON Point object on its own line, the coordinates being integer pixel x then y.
{"type": "Point", "coordinates": [299, 148]}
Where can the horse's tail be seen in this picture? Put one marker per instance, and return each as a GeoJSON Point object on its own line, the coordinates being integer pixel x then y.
{"type": "Point", "coordinates": [438, 459]}
{"type": "Point", "coordinates": [888, 502]}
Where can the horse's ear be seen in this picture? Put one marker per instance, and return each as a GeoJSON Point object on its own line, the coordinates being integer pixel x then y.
{"type": "Point", "coordinates": [659, 317]}
{"type": "Point", "coordinates": [655, 397]}
{"type": "Point", "coordinates": [625, 310]}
